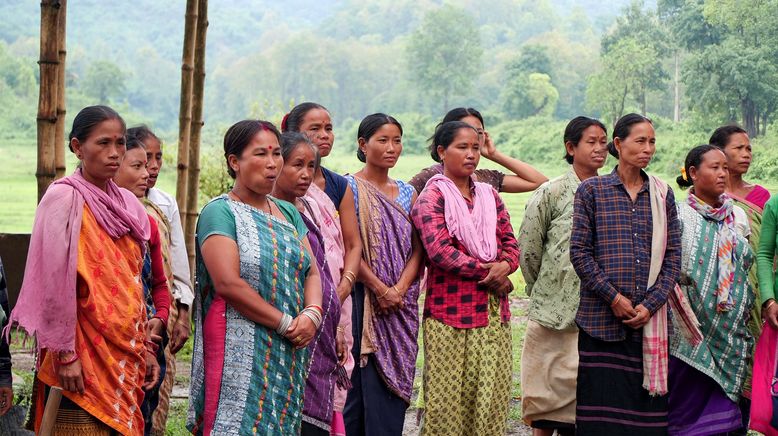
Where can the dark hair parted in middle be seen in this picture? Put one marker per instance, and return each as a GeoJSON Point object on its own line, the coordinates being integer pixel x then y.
{"type": "Point", "coordinates": [444, 136]}
{"type": "Point", "coordinates": [240, 134]}
{"type": "Point", "coordinates": [88, 118]}
{"type": "Point", "coordinates": [574, 132]}
{"type": "Point", "coordinates": [291, 140]}
{"type": "Point", "coordinates": [142, 132]}
{"type": "Point", "coordinates": [294, 119]}
{"type": "Point", "coordinates": [720, 136]}
{"type": "Point", "coordinates": [693, 159]}
{"type": "Point", "coordinates": [623, 128]}
{"type": "Point", "coordinates": [134, 139]}
{"type": "Point", "coordinates": [459, 113]}
{"type": "Point", "coordinates": [369, 125]}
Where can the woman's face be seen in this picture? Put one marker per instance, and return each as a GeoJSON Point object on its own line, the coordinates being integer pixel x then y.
{"type": "Point", "coordinates": [259, 164]}
{"type": "Point", "coordinates": [133, 175]}
{"type": "Point", "coordinates": [297, 173]}
{"type": "Point", "coordinates": [460, 158]}
{"type": "Point", "coordinates": [101, 152]}
{"type": "Point", "coordinates": [738, 152]}
{"type": "Point", "coordinates": [154, 156]}
{"type": "Point", "coordinates": [637, 148]}
{"type": "Point", "coordinates": [592, 150]}
{"type": "Point", "coordinates": [710, 177]}
{"type": "Point", "coordinates": [317, 125]}
{"type": "Point", "coordinates": [383, 148]}
{"type": "Point", "coordinates": [477, 125]}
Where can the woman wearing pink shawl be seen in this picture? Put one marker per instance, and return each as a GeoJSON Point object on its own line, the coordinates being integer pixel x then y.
{"type": "Point", "coordinates": [336, 215]}
{"type": "Point", "coordinates": [471, 249]}
{"type": "Point", "coordinates": [82, 297]}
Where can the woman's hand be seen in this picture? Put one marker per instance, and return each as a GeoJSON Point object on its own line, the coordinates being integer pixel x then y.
{"type": "Point", "coordinates": [497, 272]}
{"type": "Point", "coordinates": [71, 378]}
{"type": "Point", "coordinates": [488, 149]}
{"type": "Point", "coordinates": [301, 331]}
{"type": "Point", "coordinates": [770, 313]}
{"type": "Point", "coordinates": [6, 400]}
{"type": "Point", "coordinates": [641, 318]}
{"type": "Point", "coordinates": [503, 287]}
{"type": "Point", "coordinates": [154, 329]}
{"type": "Point", "coordinates": [152, 372]}
{"type": "Point", "coordinates": [622, 307]}
{"type": "Point", "coordinates": [389, 300]}
{"type": "Point", "coordinates": [181, 330]}
{"type": "Point", "coordinates": [340, 346]}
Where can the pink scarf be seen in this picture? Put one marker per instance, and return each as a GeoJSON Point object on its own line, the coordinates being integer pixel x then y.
{"type": "Point", "coordinates": [46, 307]}
{"type": "Point", "coordinates": [477, 230]}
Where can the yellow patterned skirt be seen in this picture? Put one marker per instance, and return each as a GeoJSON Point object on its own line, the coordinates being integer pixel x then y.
{"type": "Point", "coordinates": [467, 377]}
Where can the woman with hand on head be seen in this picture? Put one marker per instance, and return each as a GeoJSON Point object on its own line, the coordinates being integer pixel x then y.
{"type": "Point", "coordinates": [471, 250]}
{"type": "Point", "coordinates": [133, 176]}
{"type": "Point", "coordinates": [525, 178]}
{"type": "Point", "coordinates": [715, 259]}
{"type": "Point", "coordinates": [258, 302]}
{"type": "Point", "coordinates": [549, 362]}
{"type": "Point", "coordinates": [335, 213]}
{"type": "Point", "coordinates": [625, 248]}
{"type": "Point", "coordinates": [82, 296]}
{"type": "Point", "coordinates": [328, 349]}
{"type": "Point", "coordinates": [163, 207]}
{"type": "Point", "coordinates": [385, 311]}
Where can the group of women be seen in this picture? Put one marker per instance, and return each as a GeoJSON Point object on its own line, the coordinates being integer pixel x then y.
{"type": "Point", "coordinates": [307, 286]}
{"type": "Point", "coordinates": [644, 316]}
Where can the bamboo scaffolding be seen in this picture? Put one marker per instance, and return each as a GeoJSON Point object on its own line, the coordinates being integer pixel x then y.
{"type": "Point", "coordinates": [59, 131]}
{"type": "Point", "coordinates": [198, 86]}
{"type": "Point", "coordinates": [47, 94]}
{"type": "Point", "coordinates": [185, 109]}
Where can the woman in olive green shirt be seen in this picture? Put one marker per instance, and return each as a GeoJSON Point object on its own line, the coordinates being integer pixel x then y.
{"type": "Point", "coordinates": [549, 364]}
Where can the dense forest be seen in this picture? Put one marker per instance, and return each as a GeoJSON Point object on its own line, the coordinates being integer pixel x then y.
{"type": "Point", "coordinates": [528, 65]}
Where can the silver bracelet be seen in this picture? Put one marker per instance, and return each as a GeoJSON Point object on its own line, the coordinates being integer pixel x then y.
{"type": "Point", "coordinates": [313, 316]}
{"type": "Point", "coordinates": [283, 326]}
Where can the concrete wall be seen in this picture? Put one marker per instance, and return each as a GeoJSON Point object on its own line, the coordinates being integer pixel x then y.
{"type": "Point", "coordinates": [13, 251]}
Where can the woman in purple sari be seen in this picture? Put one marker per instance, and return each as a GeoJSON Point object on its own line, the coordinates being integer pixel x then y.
{"type": "Point", "coordinates": [385, 315]}
{"type": "Point", "coordinates": [327, 355]}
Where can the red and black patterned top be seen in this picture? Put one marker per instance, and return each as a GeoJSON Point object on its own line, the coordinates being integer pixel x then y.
{"type": "Point", "coordinates": [453, 294]}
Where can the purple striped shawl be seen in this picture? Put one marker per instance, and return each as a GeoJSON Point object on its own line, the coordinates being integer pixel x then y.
{"type": "Point", "coordinates": [323, 366]}
{"type": "Point", "coordinates": [386, 232]}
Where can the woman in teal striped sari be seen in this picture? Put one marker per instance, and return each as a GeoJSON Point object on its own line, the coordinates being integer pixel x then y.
{"type": "Point", "coordinates": [258, 299]}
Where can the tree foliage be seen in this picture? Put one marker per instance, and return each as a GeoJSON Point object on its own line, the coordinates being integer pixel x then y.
{"type": "Point", "coordinates": [444, 54]}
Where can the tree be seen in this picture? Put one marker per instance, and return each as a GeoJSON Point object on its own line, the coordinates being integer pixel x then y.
{"type": "Point", "coordinates": [630, 69]}
{"type": "Point", "coordinates": [104, 81]}
{"type": "Point", "coordinates": [444, 54]}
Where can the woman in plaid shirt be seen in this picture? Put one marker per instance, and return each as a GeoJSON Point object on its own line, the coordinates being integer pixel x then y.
{"type": "Point", "coordinates": [625, 281]}
{"type": "Point", "coordinates": [466, 231]}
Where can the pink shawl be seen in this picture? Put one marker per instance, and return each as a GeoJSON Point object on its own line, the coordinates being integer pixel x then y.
{"type": "Point", "coordinates": [326, 217]}
{"type": "Point", "coordinates": [46, 307]}
{"type": "Point", "coordinates": [475, 230]}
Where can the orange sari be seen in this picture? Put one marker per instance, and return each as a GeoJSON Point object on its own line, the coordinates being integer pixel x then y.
{"type": "Point", "coordinates": [110, 331]}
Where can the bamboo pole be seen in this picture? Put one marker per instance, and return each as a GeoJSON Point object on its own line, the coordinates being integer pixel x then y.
{"type": "Point", "coordinates": [185, 109]}
{"type": "Point", "coordinates": [198, 87]}
{"type": "Point", "coordinates": [47, 95]}
{"type": "Point", "coordinates": [59, 131]}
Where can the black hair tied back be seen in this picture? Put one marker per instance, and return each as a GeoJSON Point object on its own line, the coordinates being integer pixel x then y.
{"type": "Point", "coordinates": [623, 128]}
{"type": "Point", "coordinates": [693, 159]}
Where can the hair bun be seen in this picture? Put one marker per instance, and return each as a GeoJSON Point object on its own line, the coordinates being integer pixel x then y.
{"type": "Point", "coordinates": [284, 121]}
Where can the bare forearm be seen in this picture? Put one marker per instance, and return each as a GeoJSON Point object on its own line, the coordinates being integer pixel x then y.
{"type": "Point", "coordinates": [248, 303]}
